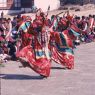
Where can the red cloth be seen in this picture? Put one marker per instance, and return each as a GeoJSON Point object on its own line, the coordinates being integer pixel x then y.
{"type": "Point", "coordinates": [75, 28]}
{"type": "Point", "coordinates": [63, 58]}
{"type": "Point", "coordinates": [26, 39]}
{"type": "Point", "coordinates": [64, 22]}
{"type": "Point", "coordinates": [67, 37]}
{"type": "Point", "coordinates": [41, 65]}
{"type": "Point", "coordinates": [1, 38]}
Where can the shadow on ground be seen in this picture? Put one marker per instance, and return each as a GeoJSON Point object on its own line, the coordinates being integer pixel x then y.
{"type": "Point", "coordinates": [58, 68]}
{"type": "Point", "coordinates": [19, 77]}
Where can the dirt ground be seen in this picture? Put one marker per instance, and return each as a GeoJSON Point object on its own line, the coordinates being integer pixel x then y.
{"type": "Point", "coordinates": [79, 81]}
{"type": "Point", "coordinates": [83, 10]}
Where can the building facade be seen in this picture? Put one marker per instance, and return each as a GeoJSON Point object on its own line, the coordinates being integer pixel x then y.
{"type": "Point", "coordinates": [11, 6]}
{"type": "Point", "coordinates": [81, 2]}
{"type": "Point", "coordinates": [18, 4]}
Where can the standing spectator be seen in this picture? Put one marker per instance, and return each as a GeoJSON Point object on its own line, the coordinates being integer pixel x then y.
{"type": "Point", "coordinates": [2, 15]}
{"type": "Point", "coordinates": [12, 50]}
{"type": "Point", "coordinates": [9, 29]}
{"type": "Point", "coordinates": [14, 22]}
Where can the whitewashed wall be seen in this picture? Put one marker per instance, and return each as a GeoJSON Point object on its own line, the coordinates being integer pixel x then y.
{"type": "Point", "coordinates": [54, 4]}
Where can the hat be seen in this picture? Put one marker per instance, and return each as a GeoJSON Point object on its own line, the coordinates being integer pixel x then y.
{"type": "Point", "coordinates": [24, 17]}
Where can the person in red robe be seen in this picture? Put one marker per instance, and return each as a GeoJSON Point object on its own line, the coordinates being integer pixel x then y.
{"type": "Point", "coordinates": [36, 54]}
{"type": "Point", "coordinates": [62, 49]}
{"type": "Point", "coordinates": [24, 25]}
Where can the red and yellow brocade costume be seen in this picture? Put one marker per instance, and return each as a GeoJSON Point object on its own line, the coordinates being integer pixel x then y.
{"type": "Point", "coordinates": [35, 53]}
